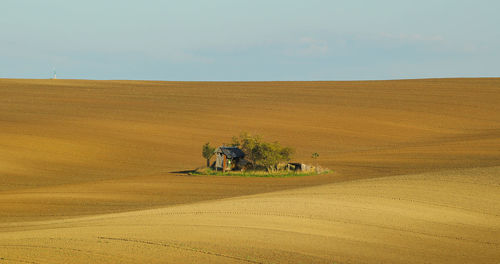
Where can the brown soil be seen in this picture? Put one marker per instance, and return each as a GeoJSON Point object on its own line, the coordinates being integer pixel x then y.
{"type": "Point", "coordinates": [71, 148]}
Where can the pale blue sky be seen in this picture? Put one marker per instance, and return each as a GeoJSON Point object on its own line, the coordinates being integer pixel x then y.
{"type": "Point", "coordinates": [249, 40]}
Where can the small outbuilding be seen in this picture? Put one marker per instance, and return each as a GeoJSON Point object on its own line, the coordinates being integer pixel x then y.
{"type": "Point", "coordinates": [295, 166]}
{"type": "Point", "coordinates": [228, 158]}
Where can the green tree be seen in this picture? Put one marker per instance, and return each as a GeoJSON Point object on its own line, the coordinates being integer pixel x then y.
{"type": "Point", "coordinates": [249, 145]}
{"type": "Point", "coordinates": [208, 152]}
{"type": "Point", "coordinates": [260, 153]}
{"type": "Point", "coordinates": [271, 154]}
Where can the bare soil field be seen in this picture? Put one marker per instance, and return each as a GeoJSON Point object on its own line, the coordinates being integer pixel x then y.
{"type": "Point", "coordinates": [440, 217]}
{"type": "Point", "coordinates": [76, 153]}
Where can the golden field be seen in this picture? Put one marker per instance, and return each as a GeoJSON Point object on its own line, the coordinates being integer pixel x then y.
{"type": "Point", "coordinates": [440, 217]}
{"type": "Point", "coordinates": [89, 172]}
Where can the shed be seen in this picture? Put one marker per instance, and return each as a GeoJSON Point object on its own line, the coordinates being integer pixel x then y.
{"type": "Point", "coordinates": [228, 158]}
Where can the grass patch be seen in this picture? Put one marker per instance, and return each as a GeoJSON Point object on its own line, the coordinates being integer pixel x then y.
{"type": "Point", "coordinates": [277, 174]}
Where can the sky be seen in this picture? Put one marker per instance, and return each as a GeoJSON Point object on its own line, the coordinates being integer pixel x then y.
{"type": "Point", "coordinates": [254, 40]}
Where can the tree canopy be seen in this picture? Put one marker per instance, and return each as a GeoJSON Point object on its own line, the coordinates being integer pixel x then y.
{"type": "Point", "coordinates": [260, 153]}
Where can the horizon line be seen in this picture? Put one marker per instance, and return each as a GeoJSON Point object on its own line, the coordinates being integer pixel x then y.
{"type": "Point", "coordinates": [256, 81]}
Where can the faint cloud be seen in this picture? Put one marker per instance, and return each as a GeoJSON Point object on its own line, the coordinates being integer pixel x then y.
{"type": "Point", "coordinates": [188, 57]}
{"type": "Point", "coordinates": [412, 37]}
{"type": "Point", "coordinates": [308, 47]}
{"type": "Point", "coordinates": [178, 56]}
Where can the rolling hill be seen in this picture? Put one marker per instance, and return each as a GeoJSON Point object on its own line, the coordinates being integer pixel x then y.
{"type": "Point", "coordinates": [93, 170]}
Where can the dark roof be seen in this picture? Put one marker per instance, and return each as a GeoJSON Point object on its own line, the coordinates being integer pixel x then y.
{"type": "Point", "coordinates": [231, 152]}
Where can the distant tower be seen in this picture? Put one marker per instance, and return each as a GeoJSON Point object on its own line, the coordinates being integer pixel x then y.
{"type": "Point", "coordinates": [55, 76]}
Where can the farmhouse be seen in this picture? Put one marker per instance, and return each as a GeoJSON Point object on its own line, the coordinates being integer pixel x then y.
{"type": "Point", "coordinates": [228, 158]}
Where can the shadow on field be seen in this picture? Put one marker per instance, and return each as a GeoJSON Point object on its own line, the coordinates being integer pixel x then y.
{"type": "Point", "coordinates": [183, 172]}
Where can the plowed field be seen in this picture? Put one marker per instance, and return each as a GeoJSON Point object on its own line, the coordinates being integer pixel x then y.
{"type": "Point", "coordinates": [91, 171]}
